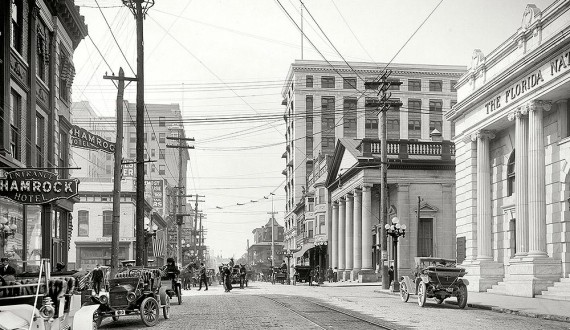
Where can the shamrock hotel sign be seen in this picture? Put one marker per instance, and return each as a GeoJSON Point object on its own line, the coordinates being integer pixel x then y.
{"type": "Point", "coordinates": [29, 186]}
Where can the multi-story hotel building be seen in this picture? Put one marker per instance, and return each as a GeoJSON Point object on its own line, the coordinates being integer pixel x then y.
{"type": "Point", "coordinates": [326, 101]}
{"type": "Point", "coordinates": [513, 151]}
{"type": "Point", "coordinates": [37, 41]}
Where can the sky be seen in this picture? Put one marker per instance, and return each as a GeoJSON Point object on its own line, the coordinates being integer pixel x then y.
{"type": "Point", "coordinates": [222, 60]}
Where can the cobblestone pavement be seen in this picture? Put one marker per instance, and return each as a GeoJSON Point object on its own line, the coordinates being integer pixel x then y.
{"type": "Point", "coordinates": [263, 305]}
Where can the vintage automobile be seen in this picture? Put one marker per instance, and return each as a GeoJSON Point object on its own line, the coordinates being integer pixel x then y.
{"type": "Point", "coordinates": [172, 287]}
{"type": "Point", "coordinates": [435, 278]}
{"type": "Point", "coordinates": [302, 274]}
{"type": "Point", "coordinates": [41, 300]}
{"type": "Point", "coordinates": [279, 275]}
{"type": "Point", "coordinates": [133, 291]}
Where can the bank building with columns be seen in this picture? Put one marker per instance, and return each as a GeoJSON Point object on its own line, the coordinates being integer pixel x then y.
{"type": "Point", "coordinates": [513, 160]}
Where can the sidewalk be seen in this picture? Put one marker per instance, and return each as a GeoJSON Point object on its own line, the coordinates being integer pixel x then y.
{"type": "Point", "coordinates": [549, 309]}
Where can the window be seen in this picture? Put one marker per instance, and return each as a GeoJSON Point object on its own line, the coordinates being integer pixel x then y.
{"type": "Point", "coordinates": [371, 124]}
{"type": "Point", "coordinates": [15, 124]}
{"type": "Point", "coordinates": [161, 153]}
{"type": "Point", "coordinates": [414, 119]}
{"type": "Point", "coordinates": [17, 25]}
{"type": "Point", "coordinates": [152, 153]}
{"type": "Point", "coordinates": [133, 137]}
{"type": "Point", "coordinates": [42, 49]}
{"type": "Point", "coordinates": [414, 85]}
{"type": "Point", "coordinates": [107, 223]}
{"type": "Point", "coordinates": [452, 87]}
{"type": "Point", "coordinates": [309, 108]}
{"type": "Point", "coordinates": [370, 100]}
{"type": "Point", "coordinates": [40, 133]}
{"type": "Point", "coordinates": [63, 161]}
{"type": "Point", "coordinates": [161, 170]}
{"type": "Point", "coordinates": [328, 142]}
{"type": "Point", "coordinates": [435, 85]}
{"type": "Point", "coordinates": [350, 123]}
{"type": "Point", "coordinates": [161, 137]}
{"type": "Point", "coordinates": [328, 123]}
{"type": "Point", "coordinates": [393, 125]}
{"type": "Point", "coordinates": [321, 197]}
{"type": "Point", "coordinates": [161, 122]}
{"type": "Point", "coordinates": [309, 144]}
{"type": "Point", "coordinates": [511, 174]}
{"type": "Point", "coordinates": [414, 106]}
{"type": "Point", "coordinates": [394, 87]}
{"type": "Point", "coordinates": [309, 81]}
{"type": "Point", "coordinates": [435, 106]}
{"type": "Point", "coordinates": [327, 82]}
{"type": "Point", "coordinates": [349, 83]}
{"type": "Point", "coordinates": [153, 137]}
{"type": "Point", "coordinates": [327, 104]}
{"type": "Point", "coordinates": [83, 223]}
{"type": "Point", "coordinates": [425, 237]}
{"type": "Point", "coordinates": [435, 124]}
{"type": "Point", "coordinates": [66, 74]}
{"type": "Point", "coordinates": [349, 105]}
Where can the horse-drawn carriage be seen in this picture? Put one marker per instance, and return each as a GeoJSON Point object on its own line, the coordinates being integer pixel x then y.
{"type": "Point", "coordinates": [133, 291]}
{"type": "Point", "coordinates": [39, 300]}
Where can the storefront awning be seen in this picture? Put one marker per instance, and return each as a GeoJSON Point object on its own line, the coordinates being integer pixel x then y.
{"type": "Point", "coordinates": [304, 249]}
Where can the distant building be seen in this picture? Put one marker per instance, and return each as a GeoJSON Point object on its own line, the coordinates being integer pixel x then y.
{"type": "Point", "coordinates": [260, 251]}
{"type": "Point", "coordinates": [513, 151]}
{"type": "Point", "coordinates": [326, 102]}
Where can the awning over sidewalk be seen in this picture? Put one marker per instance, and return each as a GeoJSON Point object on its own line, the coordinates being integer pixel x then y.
{"type": "Point", "coordinates": [304, 249]}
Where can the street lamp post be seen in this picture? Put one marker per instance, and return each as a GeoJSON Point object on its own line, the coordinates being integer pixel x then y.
{"type": "Point", "coordinates": [395, 230]}
{"type": "Point", "coordinates": [322, 248]}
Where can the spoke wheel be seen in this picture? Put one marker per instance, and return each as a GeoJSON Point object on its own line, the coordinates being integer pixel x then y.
{"type": "Point", "coordinates": [149, 311]}
{"type": "Point", "coordinates": [166, 308]}
{"type": "Point", "coordinates": [422, 294]}
{"type": "Point", "coordinates": [462, 296]}
{"type": "Point", "coordinates": [404, 294]}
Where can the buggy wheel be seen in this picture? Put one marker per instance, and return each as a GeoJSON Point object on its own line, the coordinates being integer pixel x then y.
{"type": "Point", "coordinates": [462, 296]}
{"type": "Point", "coordinates": [149, 311]}
{"type": "Point", "coordinates": [166, 308]}
{"type": "Point", "coordinates": [438, 300]}
{"type": "Point", "coordinates": [404, 293]}
{"type": "Point", "coordinates": [422, 294]}
{"type": "Point", "coordinates": [179, 294]}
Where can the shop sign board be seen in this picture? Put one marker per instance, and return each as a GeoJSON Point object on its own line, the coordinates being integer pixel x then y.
{"type": "Point", "coordinates": [82, 138]}
{"type": "Point", "coordinates": [29, 186]}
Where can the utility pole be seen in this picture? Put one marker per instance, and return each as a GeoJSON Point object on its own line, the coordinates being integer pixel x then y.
{"type": "Point", "coordinates": [116, 224]}
{"type": "Point", "coordinates": [201, 238]}
{"type": "Point", "coordinates": [272, 232]}
{"type": "Point", "coordinates": [382, 105]}
{"type": "Point", "coordinates": [179, 212]}
{"type": "Point", "coordinates": [139, 8]}
{"type": "Point", "coordinates": [194, 226]}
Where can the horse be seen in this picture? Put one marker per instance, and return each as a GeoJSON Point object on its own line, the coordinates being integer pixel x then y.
{"type": "Point", "coordinates": [187, 275]}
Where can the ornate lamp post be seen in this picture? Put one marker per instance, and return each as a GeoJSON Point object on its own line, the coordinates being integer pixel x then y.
{"type": "Point", "coordinates": [149, 232]}
{"type": "Point", "coordinates": [288, 254]}
{"type": "Point", "coordinates": [395, 230]}
{"type": "Point", "coordinates": [322, 248]}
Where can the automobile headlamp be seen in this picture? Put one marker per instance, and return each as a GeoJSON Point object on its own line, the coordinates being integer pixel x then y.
{"type": "Point", "coordinates": [131, 296]}
{"type": "Point", "coordinates": [104, 299]}
{"type": "Point", "coordinates": [47, 312]}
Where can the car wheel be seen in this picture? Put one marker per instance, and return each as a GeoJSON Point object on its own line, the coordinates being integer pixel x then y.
{"type": "Point", "coordinates": [439, 301]}
{"type": "Point", "coordinates": [462, 295]}
{"type": "Point", "coordinates": [149, 311]}
{"type": "Point", "coordinates": [422, 294]}
{"type": "Point", "coordinates": [166, 308]}
{"type": "Point", "coordinates": [404, 293]}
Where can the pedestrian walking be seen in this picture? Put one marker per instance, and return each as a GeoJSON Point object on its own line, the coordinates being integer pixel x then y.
{"type": "Point", "coordinates": [227, 273]}
{"type": "Point", "coordinates": [391, 274]}
{"type": "Point", "coordinates": [97, 278]}
{"type": "Point", "coordinates": [329, 274]}
{"type": "Point", "coordinates": [242, 274]}
{"type": "Point", "coordinates": [335, 274]}
{"type": "Point", "coordinates": [203, 277]}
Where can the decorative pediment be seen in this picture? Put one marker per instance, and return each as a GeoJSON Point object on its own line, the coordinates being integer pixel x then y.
{"type": "Point", "coordinates": [531, 15]}
{"type": "Point", "coordinates": [426, 207]}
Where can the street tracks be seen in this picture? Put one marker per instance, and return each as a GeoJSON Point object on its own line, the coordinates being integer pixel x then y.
{"type": "Point", "coordinates": [325, 316]}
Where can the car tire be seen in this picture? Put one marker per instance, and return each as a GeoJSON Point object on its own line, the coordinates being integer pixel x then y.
{"type": "Point", "coordinates": [422, 293]}
{"type": "Point", "coordinates": [149, 311]}
{"type": "Point", "coordinates": [166, 308]}
{"type": "Point", "coordinates": [462, 296]}
{"type": "Point", "coordinates": [404, 293]}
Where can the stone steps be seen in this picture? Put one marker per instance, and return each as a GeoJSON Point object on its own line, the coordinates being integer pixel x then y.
{"type": "Point", "coordinates": [558, 291]}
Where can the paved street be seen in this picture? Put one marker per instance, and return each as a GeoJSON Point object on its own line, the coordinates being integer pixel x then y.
{"type": "Point", "coordinates": [263, 305]}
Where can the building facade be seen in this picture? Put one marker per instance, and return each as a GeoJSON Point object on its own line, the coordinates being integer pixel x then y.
{"type": "Point", "coordinates": [326, 102]}
{"type": "Point", "coordinates": [37, 42]}
{"type": "Point", "coordinates": [259, 253]}
{"type": "Point", "coordinates": [513, 150]}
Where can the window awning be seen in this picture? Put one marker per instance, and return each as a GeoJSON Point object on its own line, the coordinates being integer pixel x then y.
{"type": "Point", "coordinates": [304, 249]}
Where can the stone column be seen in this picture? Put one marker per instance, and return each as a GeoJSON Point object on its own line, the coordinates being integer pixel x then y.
{"type": "Point", "coordinates": [536, 180]}
{"type": "Point", "coordinates": [349, 238]}
{"type": "Point", "coordinates": [366, 228]}
{"type": "Point", "coordinates": [484, 229]}
{"type": "Point", "coordinates": [341, 235]}
{"type": "Point", "coordinates": [521, 173]}
{"type": "Point", "coordinates": [334, 236]}
{"type": "Point", "coordinates": [357, 225]}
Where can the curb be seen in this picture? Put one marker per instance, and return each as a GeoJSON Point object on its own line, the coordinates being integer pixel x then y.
{"type": "Point", "coordinates": [503, 310]}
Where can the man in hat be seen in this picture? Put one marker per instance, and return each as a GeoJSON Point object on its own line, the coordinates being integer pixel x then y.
{"type": "Point", "coordinates": [5, 268]}
{"type": "Point", "coordinates": [97, 278]}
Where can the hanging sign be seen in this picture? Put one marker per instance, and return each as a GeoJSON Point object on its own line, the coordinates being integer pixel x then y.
{"type": "Point", "coordinates": [81, 138]}
{"type": "Point", "coordinates": [29, 186]}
